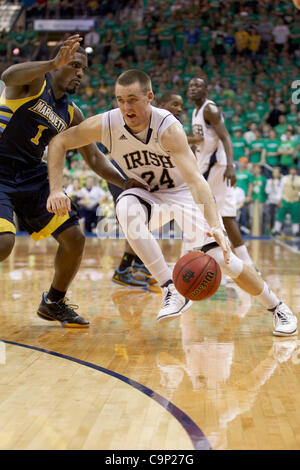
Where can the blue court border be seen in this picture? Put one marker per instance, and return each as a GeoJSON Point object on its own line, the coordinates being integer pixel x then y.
{"type": "Point", "coordinates": [197, 437]}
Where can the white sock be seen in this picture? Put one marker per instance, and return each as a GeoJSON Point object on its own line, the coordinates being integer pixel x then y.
{"type": "Point", "coordinates": [295, 229]}
{"type": "Point", "coordinates": [268, 298]}
{"type": "Point", "coordinates": [141, 240]}
{"type": "Point", "coordinates": [242, 253]}
{"type": "Point", "coordinates": [277, 226]}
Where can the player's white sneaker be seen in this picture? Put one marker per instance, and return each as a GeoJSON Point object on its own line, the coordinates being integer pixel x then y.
{"type": "Point", "coordinates": [284, 321]}
{"type": "Point", "coordinates": [173, 303]}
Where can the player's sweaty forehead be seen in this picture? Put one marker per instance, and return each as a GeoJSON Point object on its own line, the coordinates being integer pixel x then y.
{"type": "Point", "coordinates": [129, 91]}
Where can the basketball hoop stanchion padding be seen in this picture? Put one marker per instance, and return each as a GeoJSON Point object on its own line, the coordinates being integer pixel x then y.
{"type": "Point", "coordinates": [256, 220]}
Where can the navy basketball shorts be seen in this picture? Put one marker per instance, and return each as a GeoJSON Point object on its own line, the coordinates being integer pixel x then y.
{"type": "Point", "coordinates": [25, 193]}
{"type": "Point", "coordinates": [115, 191]}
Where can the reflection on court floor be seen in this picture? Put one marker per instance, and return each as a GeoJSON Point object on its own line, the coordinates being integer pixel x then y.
{"type": "Point", "coordinates": [229, 382]}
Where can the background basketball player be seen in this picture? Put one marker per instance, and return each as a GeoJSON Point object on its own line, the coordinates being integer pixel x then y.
{"type": "Point", "coordinates": [215, 159]}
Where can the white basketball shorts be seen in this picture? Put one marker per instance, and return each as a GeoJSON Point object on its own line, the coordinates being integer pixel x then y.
{"type": "Point", "coordinates": [175, 204]}
{"type": "Point", "coordinates": [224, 194]}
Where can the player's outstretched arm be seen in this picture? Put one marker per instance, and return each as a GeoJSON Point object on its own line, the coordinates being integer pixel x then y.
{"type": "Point", "coordinates": [174, 140]}
{"type": "Point", "coordinates": [82, 135]}
{"type": "Point", "coordinates": [212, 116]}
{"type": "Point", "coordinates": [33, 72]}
{"type": "Point", "coordinates": [100, 164]}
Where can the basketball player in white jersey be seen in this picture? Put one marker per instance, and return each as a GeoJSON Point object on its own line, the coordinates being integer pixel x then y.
{"type": "Point", "coordinates": [215, 160]}
{"type": "Point", "coordinates": [131, 271]}
{"type": "Point", "coordinates": [150, 144]}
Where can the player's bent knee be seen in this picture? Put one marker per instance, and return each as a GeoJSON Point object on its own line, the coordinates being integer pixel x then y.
{"type": "Point", "coordinates": [72, 239]}
{"type": "Point", "coordinates": [128, 209]}
{"type": "Point", "coordinates": [7, 241]}
{"type": "Point", "coordinates": [235, 266]}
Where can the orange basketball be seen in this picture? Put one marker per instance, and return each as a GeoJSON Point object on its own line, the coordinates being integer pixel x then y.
{"type": "Point", "coordinates": [197, 276]}
{"type": "Point", "coordinates": [297, 4]}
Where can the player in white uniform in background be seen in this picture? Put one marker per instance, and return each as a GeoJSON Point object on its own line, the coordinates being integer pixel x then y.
{"type": "Point", "coordinates": [150, 145]}
{"type": "Point", "coordinates": [215, 160]}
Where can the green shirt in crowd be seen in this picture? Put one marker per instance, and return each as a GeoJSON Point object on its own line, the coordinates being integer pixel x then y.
{"type": "Point", "coordinates": [239, 148]}
{"type": "Point", "coordinates": [280, 129]}
{"type": "Point", "coordinates": [258, 146]}
{"type": "Point", "coordinates": [243, 179]}
{"type": "Point", "coordinates": [272, 146]}
{"type": "Point", "coordinates": [287, 160]}
{"type": "Point", "coordinates": [259, 188]}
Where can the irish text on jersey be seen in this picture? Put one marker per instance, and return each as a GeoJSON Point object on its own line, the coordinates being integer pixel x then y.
{"type": "Point", "coordinates": [143, 158]}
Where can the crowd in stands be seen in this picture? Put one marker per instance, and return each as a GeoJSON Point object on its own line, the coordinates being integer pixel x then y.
{"type": "Point", "coordinates": [249, 53]}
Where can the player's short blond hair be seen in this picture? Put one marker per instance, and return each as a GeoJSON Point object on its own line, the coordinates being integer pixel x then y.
{"type": "Point", "coordinates": [135, 76]}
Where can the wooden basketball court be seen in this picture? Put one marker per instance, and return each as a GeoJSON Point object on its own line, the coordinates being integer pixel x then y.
{"type": "Point", "coordinates": [215, 378]}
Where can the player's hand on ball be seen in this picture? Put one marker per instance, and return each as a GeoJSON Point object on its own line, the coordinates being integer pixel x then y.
{"type": "Point", "coordinates": [58, 203]}
{"type": "Point", "coordinates": [222, 240]}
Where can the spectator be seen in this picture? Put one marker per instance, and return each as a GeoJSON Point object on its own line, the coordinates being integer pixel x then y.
{"type": "Point", "coordinates": [239, 145]}
{"type": "Point", "coordinates": [250, 135]}
{"type": "Point", "coordinates": [265, 29]}
{"type": "Point", "coordinates": [255, 149]}
{"type": "Point", "coordinates": [165, 38]}
{"type": "Point", "coordinates": [229, 41]}
{"type": "Point", "coordinates": [17, 42]}
{"type": "Point", "coordinates": [270, 153]}
{"type": "Point", "coordinates": [289, 202]}
{"type": "Point", "coordinates": [192, 37]}
{"type": "Point", "coordinates": [107, 42]}
{"type": "Point", "coordinates": [205, 41]}
{"type": "Point", "coordinates": [245, 183]}
{"type": "Point", "coordinates": [253, 42]}
{"type": "Point", "coordinates": [281, 127]}
{"type": "Point", "coordinates": [259, 194]}
{"type": "Point", "coordinates": [292, 116]}
{"type": "Point", "coordinates": [295, 35]}
{"type": "Point", "coordinates": [53, 9]}
{"type": "Point", "coordinates": [237, 125]}
{"type": "Point", "coordinates": [281, 34]}
{"type": "Point", "coordinates": [252, 115]}
{"type": "Point", "coordinates": [287, 152]}
{"type": "Point", "coordinates": [273, 190]}
{"type": "Point", "coordinates": [92, 39]}
{"type": "Point", "coordinates": [140, 40]}
{"type": "Point", "coordinates": [241, 37]}
{"type": "Point", "coordinates": [91, 197]}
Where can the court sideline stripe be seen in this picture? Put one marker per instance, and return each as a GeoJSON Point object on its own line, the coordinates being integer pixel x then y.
{"type": "Point", "coordinates": [285, 245]}
{"type": "Point", "coordinates": [197, 437]}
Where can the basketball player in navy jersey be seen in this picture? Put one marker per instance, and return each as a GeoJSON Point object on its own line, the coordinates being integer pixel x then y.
{"type": "Point", "coordinates": [34, 107]}
{"type": "Point", "coordinates": [156, 152]}
{"type": "Point", "coordinates": [214, 154]}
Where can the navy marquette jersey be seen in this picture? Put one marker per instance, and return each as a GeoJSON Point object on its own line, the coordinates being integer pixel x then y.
{"type": "Point", "coordinates": [28, 124]}
{"type": "Point", "coordinates": [26, 127]}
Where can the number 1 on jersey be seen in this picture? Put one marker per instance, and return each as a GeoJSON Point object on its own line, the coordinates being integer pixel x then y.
{"type": "Point", "coordinates": [35, 140]}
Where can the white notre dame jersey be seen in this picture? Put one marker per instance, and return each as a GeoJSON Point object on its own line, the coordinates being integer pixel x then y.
{"type": "Point", "coordinates": [146, 161]}
{"type": "Point", "coordinates": [211, 142]}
